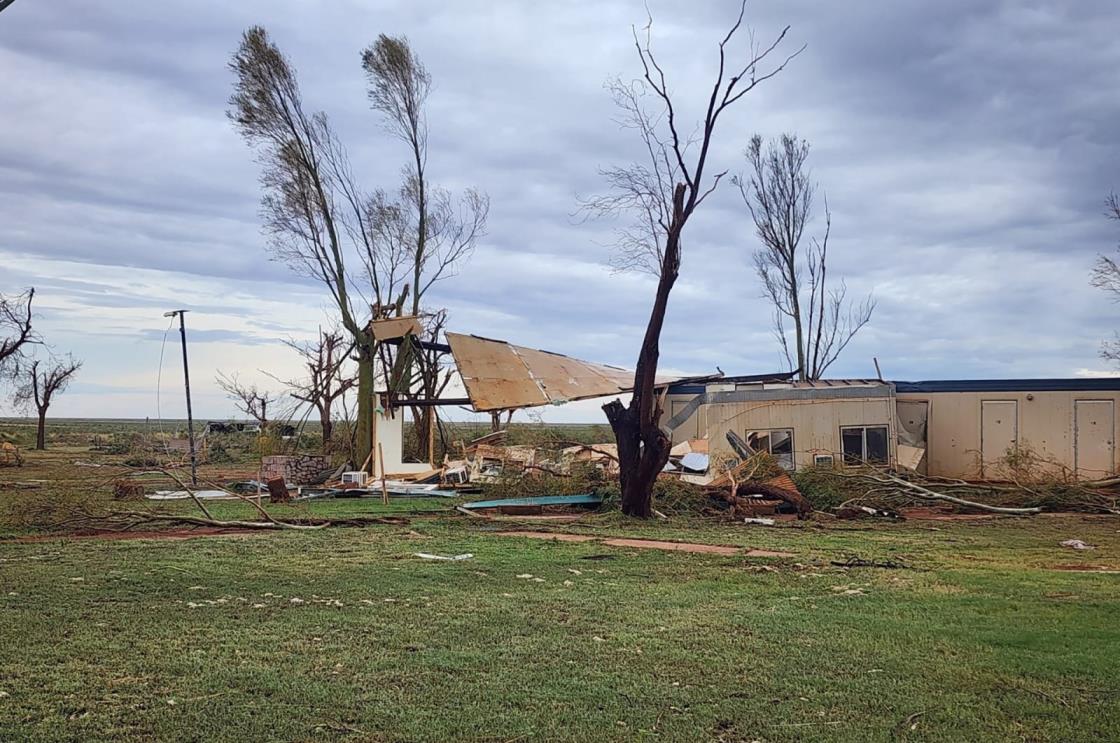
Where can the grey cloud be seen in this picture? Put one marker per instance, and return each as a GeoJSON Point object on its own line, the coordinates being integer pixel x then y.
{"type": "Point", "coordinates": [965, 148]}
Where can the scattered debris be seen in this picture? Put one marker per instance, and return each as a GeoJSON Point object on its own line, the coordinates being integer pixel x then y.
{"type": "Point", "coordinates": [10, 455]}
{"type": "Point", "coordinates": [449, 558]}
{"type": "Point", "coordinates": [759, 521]}
{"type": "Point", "coordinates": [847, 512]}
{"type": "Point", "coordinates": [532, 505]}
{"type": "Point", "coordinates": [1077, 544]}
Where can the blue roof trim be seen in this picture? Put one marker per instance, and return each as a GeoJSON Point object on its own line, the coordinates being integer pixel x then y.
{"type": "Point", "coordinates": [694, 388]}
{"type": "Point", "coordinates": [1087, 384]}
{"type": "Point", "coordinates": [686, 389]}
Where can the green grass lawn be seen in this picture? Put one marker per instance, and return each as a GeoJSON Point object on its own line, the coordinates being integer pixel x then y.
{"type": "Point", "coordinates": [344, 634]}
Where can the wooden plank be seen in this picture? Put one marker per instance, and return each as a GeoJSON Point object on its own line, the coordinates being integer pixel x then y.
{"type": "Point", "coordinates": [395, 327]}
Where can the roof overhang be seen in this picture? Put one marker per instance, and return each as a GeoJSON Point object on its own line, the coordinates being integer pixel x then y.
{"type": "Point", "coordinates": [503, 376]}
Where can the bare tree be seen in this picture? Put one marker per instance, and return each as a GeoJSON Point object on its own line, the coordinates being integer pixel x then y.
{"type": "Point", "coordinates": [40, 381]}
{"type": "Point", "coordinates": [326, 377]}
{"type": "Point", "coordinates": [1106, 276]}
{"type": "Point", "coordinates": [15, 327]}
{"type": "Point", "coordinates": [421, 227]}
{"type": "Point", "coordinates": [496, 420]}
{"type": "Point", "coordinates": [663, 193]}
{"type": "Point", "coordinates": [249, 399]}
{"type": "Point", "coordinates": [779, 193]}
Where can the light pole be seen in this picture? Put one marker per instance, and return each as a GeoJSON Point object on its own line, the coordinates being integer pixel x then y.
{"type": "Point", "coordinates": [187, 384]}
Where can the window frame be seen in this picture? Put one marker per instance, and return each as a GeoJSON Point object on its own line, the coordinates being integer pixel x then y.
{"type": "Point", "coordinates": [770, 443]}
{"type": "Point", "coordinates": [863, 444]}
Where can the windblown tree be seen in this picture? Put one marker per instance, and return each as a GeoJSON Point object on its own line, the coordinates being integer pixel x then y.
{"type": "Point", "coordinates": [779, 194]}
{"type": "Point", "coordinates": [663, 192]}
{"type": "Point", "coordinates": [254, 402]}
{"type": "Point", "coordinates": [421, 227]}
{"type": "Point", "coordinates": [39, 382]}
{"type": "Point", "coordinates": [15, 327]}
{"type": "Point", "coordinates": [326, 377]}
{"type": "Point", "coordinates": [364, 247]}
{"type": "Point", "coordinates": [1106, 276]}
{"type": "Point", "coordinates": [315, 216]}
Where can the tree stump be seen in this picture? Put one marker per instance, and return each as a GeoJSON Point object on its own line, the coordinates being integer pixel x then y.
{"type": "Point", "coordinates": [278, 491]}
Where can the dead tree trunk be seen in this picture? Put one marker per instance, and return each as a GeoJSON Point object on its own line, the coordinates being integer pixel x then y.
{"type": "Point", "coordinates": [41, 431]}
{"type": "Point", "coordinates": [643, 448]}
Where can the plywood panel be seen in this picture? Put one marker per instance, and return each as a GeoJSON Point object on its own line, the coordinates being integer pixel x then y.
{"type": "Point", "coordinates": [1093, 438]}
{"type": "Point", "coordinates": [395, 327]}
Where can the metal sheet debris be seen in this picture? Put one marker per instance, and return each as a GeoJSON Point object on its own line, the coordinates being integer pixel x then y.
{"type": "Point", "coordinates": [501, 376]}
{"type": "Point", "coordinates": [584, 499]}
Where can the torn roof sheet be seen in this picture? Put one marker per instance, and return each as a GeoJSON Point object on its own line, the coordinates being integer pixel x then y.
{"type": "Point", "coordinates": [502, 376]}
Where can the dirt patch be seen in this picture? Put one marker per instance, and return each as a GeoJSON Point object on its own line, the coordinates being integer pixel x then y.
{"type": "Point", "coordinates": [540, 517]}
{"type": "Point", "coordinates": [710, 549]}
{"type": "Point", "coordinates": [556, 537]}
{"type": "Point", "coordinates": [1086, 568]}
{"type": "Point", "coordinates": [768, 553]}
{"type": "Point", "coordinates": [174, 534]}
{"type": "Point", "coordinates": [653, 544]}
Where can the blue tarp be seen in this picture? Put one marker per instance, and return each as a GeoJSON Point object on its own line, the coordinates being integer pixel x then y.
{"type": "Point", "coordinates": [585, 499]}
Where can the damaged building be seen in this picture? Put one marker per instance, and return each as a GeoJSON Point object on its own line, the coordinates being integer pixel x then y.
{"type": "Point", "coordinates": [969, 429]}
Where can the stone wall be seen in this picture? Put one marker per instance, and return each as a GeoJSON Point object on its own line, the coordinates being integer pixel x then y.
{"type": "Point", "coordinates": [301, 469]}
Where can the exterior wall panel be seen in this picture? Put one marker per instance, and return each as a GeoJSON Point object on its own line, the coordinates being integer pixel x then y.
{"type": "Point", "coordinates": [815, 423]}
{"type": "Point", "coordinates": [1044, 422]}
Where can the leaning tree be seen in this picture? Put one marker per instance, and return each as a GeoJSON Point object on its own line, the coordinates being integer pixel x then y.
{"type": "Point", "coordinates": [39, 382]}
{"type": "Point", "coordinates": [423, 225]}
{"type": "Point", "coordinates": [779, 194]}
{"type": "Point", "coordinates": [663, 192]}
{"type": "Point", "coordinates": [370, 250]}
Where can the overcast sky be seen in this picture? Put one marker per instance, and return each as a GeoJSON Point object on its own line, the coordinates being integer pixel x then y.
{"type": "Point", "coordinates": [965, 147]}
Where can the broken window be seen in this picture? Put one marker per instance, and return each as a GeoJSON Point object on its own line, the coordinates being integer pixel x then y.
{"type": "Point", "coordinates": [865, 444]}
{"type": "Point", "coordinates": [777, 442]}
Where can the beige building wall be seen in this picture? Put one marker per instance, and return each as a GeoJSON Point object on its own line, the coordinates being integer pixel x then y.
{"type": "Point", "coordinates": [816, 423]}
{"type": "Point", "coordinates": [969, 433]}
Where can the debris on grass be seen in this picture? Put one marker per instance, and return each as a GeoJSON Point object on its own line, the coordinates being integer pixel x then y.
{"type": "Point", "coordinates": [1077, 544]}
{"type": "Point", "coordinates": [449, 558]}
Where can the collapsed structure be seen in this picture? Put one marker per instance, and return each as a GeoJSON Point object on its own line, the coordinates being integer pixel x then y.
{"type": "Point", "coordinates": [968, 429]}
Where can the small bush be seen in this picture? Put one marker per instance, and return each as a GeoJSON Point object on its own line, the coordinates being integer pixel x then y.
{"type": "Point", "coordinates": [823, 488]}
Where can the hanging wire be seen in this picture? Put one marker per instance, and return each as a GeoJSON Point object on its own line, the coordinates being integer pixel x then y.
{"type": "Point", "coordinates": [159, 381]}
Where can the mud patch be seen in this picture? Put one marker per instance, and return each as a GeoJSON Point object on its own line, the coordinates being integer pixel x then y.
{"type": "Point", "coordinates": [554, 536]}
{"type": "Point", "coordinates": [709, 549]}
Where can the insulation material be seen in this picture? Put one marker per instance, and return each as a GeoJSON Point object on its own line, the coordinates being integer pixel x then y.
{"type": "Point", "coordinates": [502, 376]}
{"type": "Point", "coordinates": [913, 416]}
{"type": "Point", "coordinates": [395, 327]}
{"type": "Point", "coordinates": [910, 457]}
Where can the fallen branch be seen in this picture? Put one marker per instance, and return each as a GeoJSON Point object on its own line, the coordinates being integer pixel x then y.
{"type": "Point", "coordinates": [928, 494]}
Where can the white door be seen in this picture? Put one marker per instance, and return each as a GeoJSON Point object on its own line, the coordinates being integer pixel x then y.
{"type": "Point", "coordinates": [999, 434]}
{"type": "Point", "coordinates": [1093, 438]}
